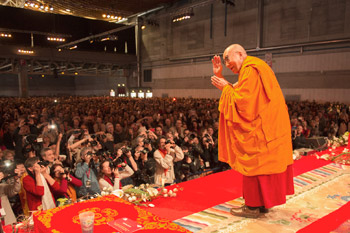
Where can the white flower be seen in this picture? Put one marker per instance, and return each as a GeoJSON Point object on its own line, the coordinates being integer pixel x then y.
{"type": "Point", "coordinates": [165, 195]}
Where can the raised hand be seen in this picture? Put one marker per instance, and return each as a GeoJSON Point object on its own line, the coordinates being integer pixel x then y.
{"type": "Point", "coordinates": [217, 66]}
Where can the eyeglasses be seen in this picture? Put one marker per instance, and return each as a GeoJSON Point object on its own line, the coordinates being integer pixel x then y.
{"type": "Point", "coordinates": [225, 59]}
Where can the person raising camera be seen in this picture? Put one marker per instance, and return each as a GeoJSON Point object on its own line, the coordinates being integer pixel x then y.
{"type": "Point", "coordinates": [9, 190]}
{"type": "Point", "coordinates": [67, 182]}
{"type": "Point", "coordinates": [87, 173]}
{"type": "Point", "coordinates": [37, 186]}
{"type": "Point", "coordinates": [165, 157]}
{"type": "Point", "coordinates": [111, 173]}
{"type": "Point", "coordinates": [146, 166]}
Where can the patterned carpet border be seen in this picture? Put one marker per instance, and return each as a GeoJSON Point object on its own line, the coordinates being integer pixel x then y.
{"type": "Point", "coordinates": [219, 219]}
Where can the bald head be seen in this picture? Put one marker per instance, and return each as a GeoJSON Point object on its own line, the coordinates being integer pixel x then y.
{"type": "Point", "coordinates": [234, 56]}
{"type": "Point", "coordinates": [236, 48]}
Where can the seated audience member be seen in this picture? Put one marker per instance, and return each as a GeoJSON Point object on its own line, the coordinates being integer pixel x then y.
{"type": "Point", "coordinates": [67, 183]}
{"type": "Point", "coordinates": [120, 135]}
{"type": "Point", "coordinates": [86, 171]}
{"type": "Point", "coordinates": [298, 139]}
{"type": "Point", "coordinates": [99, 126]}
{"type": "Point", "coordinates": [158, 131]}
{"type": "Point", "coordinates": [9, 155]}
{"type": "Point", "coordinates": [37, 186]}
{"type": "Point", "coordinates": [110, 177]}
{"type": "Point", "coordinates": [9, 190]}
{"type": "Point", "coordinates": [165, 157]}
{"type": "Point", "coordinates": [177, 130]}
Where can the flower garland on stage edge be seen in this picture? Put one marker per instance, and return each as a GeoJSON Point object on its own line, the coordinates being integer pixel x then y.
{"type": "Point", "coordinates": [339, 141]}
{"type": "Point", "coordinates": [344, 156]}
{"type": "Point", "coordinates": [140, 195]}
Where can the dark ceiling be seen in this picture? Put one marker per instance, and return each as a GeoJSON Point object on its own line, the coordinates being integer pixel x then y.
{"type": "Point", "coordinates": [73, 20]}
{"type": "Point", "coordinates": [93, 9]}
{"type": "Point", "coordinates": [88, 21]}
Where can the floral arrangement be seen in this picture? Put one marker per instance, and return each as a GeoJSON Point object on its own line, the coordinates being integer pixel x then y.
{"type": "Point", "coordinates": [343, 158]}
{"type": "Point", "coordinates": [140, 195]}
{"type": "Point", "coordinates": [107, 191]}
{"type": "Point", "coordinates": [25, 223]}
{"type": "Point", "coordinates": [340, 141]}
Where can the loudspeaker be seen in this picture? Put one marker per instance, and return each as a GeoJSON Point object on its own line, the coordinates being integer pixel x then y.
{"type": "Point", "coordinates": [318, 143]}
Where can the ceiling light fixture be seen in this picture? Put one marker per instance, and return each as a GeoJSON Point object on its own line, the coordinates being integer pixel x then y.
{"type": "Point", "coordinates": [5, 35]}
{"type": "Point", "coordinates": [104, 39]}
{"type": "Point", "coordinates": [25, 51]}
{"type": "Point", "coordinates": [187, 14]}
{"type": "Point", "coordinates": [56, 39]}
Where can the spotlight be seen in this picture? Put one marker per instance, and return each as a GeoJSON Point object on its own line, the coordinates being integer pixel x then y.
{"type": "Point", "coordinates": [143, 27]}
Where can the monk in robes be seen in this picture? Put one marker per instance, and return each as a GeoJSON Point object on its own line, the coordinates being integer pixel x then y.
{"type": "Point", "coordinates": [254, 131]}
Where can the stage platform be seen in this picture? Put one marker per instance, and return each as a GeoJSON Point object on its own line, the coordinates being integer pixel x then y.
{"type": "Point", "coordinates": [320, 204]}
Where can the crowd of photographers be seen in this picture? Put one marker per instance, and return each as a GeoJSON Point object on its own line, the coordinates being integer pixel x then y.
{"type": "Point", "coordinates": [76, 147]}
{"type": "Point", "coordinates": [55, 149]}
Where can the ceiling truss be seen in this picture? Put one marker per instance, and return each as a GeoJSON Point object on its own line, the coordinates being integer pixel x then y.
{"type": "Point", "coordinates": [44, 67]}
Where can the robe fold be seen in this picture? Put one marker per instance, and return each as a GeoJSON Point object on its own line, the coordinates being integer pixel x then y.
{"type": "Point", "coordinates": [254, 125]}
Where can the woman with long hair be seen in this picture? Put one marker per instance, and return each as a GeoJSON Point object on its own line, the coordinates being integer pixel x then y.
{"type": "Point", "coordinates": [66, 181]}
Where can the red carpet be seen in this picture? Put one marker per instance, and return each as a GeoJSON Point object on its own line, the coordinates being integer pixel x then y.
{"type": "Point", "coordinates": [200, 194]}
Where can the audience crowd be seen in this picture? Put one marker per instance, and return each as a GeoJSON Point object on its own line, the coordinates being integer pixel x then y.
{"type": "Point", "coordinates": [71, 147]}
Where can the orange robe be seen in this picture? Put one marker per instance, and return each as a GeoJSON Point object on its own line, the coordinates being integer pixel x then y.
{"type": "Point", "coordinates": [254, 129]}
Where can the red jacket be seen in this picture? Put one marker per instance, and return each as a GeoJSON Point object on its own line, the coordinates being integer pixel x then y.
{"type": "Point", "coordinates": [34, 192]}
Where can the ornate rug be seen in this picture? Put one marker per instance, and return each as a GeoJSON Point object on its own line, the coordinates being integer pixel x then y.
{"type": "Point", "coordinates": [108, 208]}
{"type": "Point", "coordinates": [317, 193]}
